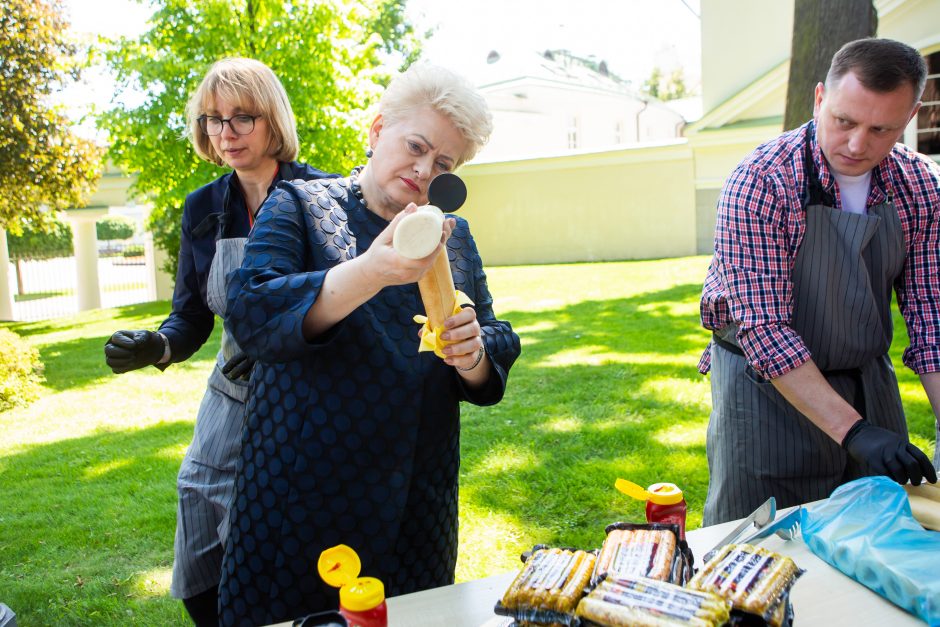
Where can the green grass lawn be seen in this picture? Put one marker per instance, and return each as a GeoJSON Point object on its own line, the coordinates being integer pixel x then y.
{"type": "Point", "coordinates": [606, 387]}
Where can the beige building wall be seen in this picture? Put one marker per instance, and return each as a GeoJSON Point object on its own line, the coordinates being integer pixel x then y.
{"type": "Point", "coordinates": [741, 41]}
{"type": "Point", "coordinates": [634, 203]}
{"type": "Point", "coordinates": [744, 95]}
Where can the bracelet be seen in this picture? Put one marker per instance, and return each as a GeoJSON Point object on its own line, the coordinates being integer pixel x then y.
{"type": "Point", "coordinates": [476, 363]}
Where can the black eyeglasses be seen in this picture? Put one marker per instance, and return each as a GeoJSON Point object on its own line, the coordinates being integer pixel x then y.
{"type": "Point", "coordinates": [242, 124]}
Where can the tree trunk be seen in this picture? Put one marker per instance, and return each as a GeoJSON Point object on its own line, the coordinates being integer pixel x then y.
{"type": "Point", "coordinates": [820, 28]}
{"type": "Point", "coordinates": [20, 288]}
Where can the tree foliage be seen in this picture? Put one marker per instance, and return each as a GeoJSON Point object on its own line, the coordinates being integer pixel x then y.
{"type": "Point", "coordinates": [42, 163]}
{"type": "Point", "coordinates": [326, 53]}
{"type": "Point", "coordinates": [114, 227]}
{"type": "Point", "coordinates": [664, 87]}
{"type": "Point", "coordinates": [51, 238]}
{"type": "Point", "coordinates": [819, 30]}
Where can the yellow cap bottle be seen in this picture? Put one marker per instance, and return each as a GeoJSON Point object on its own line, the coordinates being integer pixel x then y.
{"type": "Point", "coordinates": [361, 599]}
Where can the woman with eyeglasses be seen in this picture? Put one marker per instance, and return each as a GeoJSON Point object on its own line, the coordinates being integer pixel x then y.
{"type": "Point", "coordinates": [239, 117]}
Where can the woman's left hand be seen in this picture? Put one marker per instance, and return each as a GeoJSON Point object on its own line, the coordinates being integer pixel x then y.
{"type": "Point", "coordinates": [464, 330]}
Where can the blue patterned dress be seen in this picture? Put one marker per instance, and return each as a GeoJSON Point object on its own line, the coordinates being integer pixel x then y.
{"type": "Point", "coordinates": [352, 438]}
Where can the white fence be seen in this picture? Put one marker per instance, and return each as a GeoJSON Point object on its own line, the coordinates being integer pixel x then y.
{"type": "Point", "coordinates": [48, 288]}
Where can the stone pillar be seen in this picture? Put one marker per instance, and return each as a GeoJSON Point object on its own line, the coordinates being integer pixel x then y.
{"type": "Point", "coordinates": [85, 242]}
{"type": "Point", "coordinates": [159, 283]}
{"type": "Point", "coordinates": [6, 288]}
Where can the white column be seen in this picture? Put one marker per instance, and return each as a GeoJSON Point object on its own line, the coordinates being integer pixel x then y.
{"type": "Point", "coordinates": [85, 242]}
{"type": "Point", "coordinates": [159, 283]}
{"type": "Point", "coordinates": [6, 289]}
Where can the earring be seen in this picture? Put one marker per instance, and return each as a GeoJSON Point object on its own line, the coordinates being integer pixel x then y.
{"type": "Point", "coordinates": [369, 153]}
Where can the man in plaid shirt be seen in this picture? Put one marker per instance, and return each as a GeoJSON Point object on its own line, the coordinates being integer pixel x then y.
{"type": "Point", "coordinates": [814, 229]}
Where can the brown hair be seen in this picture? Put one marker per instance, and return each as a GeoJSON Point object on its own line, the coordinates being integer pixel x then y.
{"type": "Point", "coordinates": [253, 87]}
{"type": "Point", "coordinates": [881, 65]}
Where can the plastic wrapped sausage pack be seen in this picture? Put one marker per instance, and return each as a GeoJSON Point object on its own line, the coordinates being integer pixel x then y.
{"type": "Point", "coordinates": [756, 581]}
{"type": "Point", "coordinates": [644, 550]}
{"type": "Point", "coordinates": [549, 587]}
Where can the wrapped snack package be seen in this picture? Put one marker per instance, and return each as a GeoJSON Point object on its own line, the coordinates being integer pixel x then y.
{"type": "Point", "coordinates": [549, 587]}
{"type": "Point", "coordinates": [755, 580]}
{"type": "Point", "coordinates": [866, 529]}
{"type": "Point", "coordinates": [643, 550]}
{"type": "Point", "coordinates": [644, 602]}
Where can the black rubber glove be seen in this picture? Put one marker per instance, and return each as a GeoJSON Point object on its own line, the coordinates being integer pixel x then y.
{"type": "Point", "coordinates": [238, 367]}
{"type": "Point", "coordinates": [886, 453]}
{"type": "Point", "coordinates": [130, 350]}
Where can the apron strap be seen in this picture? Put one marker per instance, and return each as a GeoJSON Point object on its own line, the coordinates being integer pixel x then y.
{"type": "Point", "coordinates": [815, 193]}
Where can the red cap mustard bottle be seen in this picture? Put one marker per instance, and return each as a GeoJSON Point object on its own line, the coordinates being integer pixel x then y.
{"type": "Point", "coordinates": [361, 599]}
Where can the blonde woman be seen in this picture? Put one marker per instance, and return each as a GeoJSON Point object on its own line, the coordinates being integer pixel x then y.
{"type": "Point", "coordinates": [352, 435]}
{"type": "Point", "coordinates": [239, 117]}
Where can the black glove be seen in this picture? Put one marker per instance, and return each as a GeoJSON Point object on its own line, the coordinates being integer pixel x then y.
{"type": "Point", "coordinates": [130, 350]}
{"type": "Point", "coordinates": [238, 367]}
{"type": "Point", "coordinates": [886, 453]}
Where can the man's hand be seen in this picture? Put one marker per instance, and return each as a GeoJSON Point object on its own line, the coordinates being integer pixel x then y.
{"type": "Point", "coordinates": [886, 453]}
{"type": "Point", "coordinates": [130, 350]}
{"type": "Point", "coordinates": [238, 367]}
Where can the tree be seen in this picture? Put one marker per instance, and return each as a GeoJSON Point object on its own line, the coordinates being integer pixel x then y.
{"type": "Point", "coordinates": [114, 227]}
{"type": "Point", "coordinates": [819, 30]}
{"type": "Point", "coordinates": [52, 239]}
{"type": "Point", "coordinates": [42, 163]}
{"type": "Point", "coordinates": [326, 52]}
{"type": "Point", "coordinates": [49, 237]}
{"type": "Point", "coordinates": [665, 88]}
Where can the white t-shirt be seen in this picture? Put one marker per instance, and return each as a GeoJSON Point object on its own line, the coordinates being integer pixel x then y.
{"type": "Point", "coordinates": [854, 191]}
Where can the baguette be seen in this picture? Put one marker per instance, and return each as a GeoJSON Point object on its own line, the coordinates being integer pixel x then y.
{"type": "Point", "coordinates": [437, 291]}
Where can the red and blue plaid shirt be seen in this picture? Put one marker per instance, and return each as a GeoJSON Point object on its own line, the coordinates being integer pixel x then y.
{"type": "Point", "coordinates": [760, 226]}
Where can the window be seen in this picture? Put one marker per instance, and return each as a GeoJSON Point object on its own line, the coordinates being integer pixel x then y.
{"type": "Point", "coordinates": [928, 118]}
{"type": "Point", "coordinates": [573, 132]}
{"type": "Point", "coordinates": [618, 133]}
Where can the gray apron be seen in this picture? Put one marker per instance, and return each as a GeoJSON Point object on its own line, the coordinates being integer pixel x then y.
{"type": "Point", "coordinates": [758, 445]}
{"type": "Point", "coordinates": [217, 437]}
{"type": "Point", "coordinates": [206, 480]}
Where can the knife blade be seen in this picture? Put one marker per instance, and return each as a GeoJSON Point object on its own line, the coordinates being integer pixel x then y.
{"type": "Point", "coordinates": [759, 517]}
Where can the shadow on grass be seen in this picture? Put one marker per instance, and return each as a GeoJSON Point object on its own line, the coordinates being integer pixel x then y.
{"type": "Point", "coordinates": [610, 389]}
{"type": "Point", "coordinates": [88, 528]}
{"type": "Point", "coordinates": [604, 389]}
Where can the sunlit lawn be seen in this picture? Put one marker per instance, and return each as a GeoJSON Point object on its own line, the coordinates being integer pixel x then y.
{"type": "Point", "coordinates": [606, 387]}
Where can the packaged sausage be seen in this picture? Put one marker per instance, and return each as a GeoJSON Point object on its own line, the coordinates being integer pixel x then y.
{"type": "Point", "coordinates": [643, 550]}
{"type": "Point", "coordinates": [756, 581]}
{"type": "Point", "coordinates": [548, 587]}
{"type": "Point", "coordinates": [640, 601]}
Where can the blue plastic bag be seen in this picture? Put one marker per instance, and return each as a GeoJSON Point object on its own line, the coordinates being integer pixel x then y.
{"type": "Point", "coordinates": [867, 531]}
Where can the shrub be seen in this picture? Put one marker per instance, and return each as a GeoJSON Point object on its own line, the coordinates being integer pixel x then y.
{"type": "Point", "coordinates": [20, 371]}
{"type": "Point", "coordinates": [134, 250]}
{"type": "Point", "coordinates": [114, 227]}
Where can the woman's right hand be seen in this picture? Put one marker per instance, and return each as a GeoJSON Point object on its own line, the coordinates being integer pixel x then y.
{"type": "Point", "coordinates": [350, 284]}
{"type": "Point", "coordinates": [384, 266]}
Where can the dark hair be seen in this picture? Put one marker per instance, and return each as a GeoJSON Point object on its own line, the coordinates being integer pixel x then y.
{"type": "Point", "coordinates": [881, 65]}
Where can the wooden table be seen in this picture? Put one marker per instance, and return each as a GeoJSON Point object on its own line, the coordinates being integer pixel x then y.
{"type": "Point", "coordinates": [823, 596]}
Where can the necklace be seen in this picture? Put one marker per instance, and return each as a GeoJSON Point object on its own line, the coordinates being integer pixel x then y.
{"type": "Point", "coordinates": [356, 187]}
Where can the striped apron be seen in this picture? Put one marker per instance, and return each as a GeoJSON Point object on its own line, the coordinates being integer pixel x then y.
{"type": "Point", "coordinates": [206, 481]}
{"type": "Point", "coordinates": [758, 445]}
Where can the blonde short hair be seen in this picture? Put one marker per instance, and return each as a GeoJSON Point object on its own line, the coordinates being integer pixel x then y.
{"type": "Point", "coordinates": [451, 95]}
{"type": "Point", "coordinates": [253, 87]}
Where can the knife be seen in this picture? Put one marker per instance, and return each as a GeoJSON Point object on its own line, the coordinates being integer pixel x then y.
{"type": "Point", "coordinates": [759, 517]}
{"type": "Point", "coordinates": [786, 527]}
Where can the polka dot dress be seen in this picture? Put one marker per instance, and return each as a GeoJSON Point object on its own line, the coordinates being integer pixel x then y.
{"type": "Point", "coordinates": [353, 438]}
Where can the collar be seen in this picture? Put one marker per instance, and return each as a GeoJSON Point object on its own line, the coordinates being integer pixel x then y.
{"type": "Point", "coordinates": [881, 188]}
